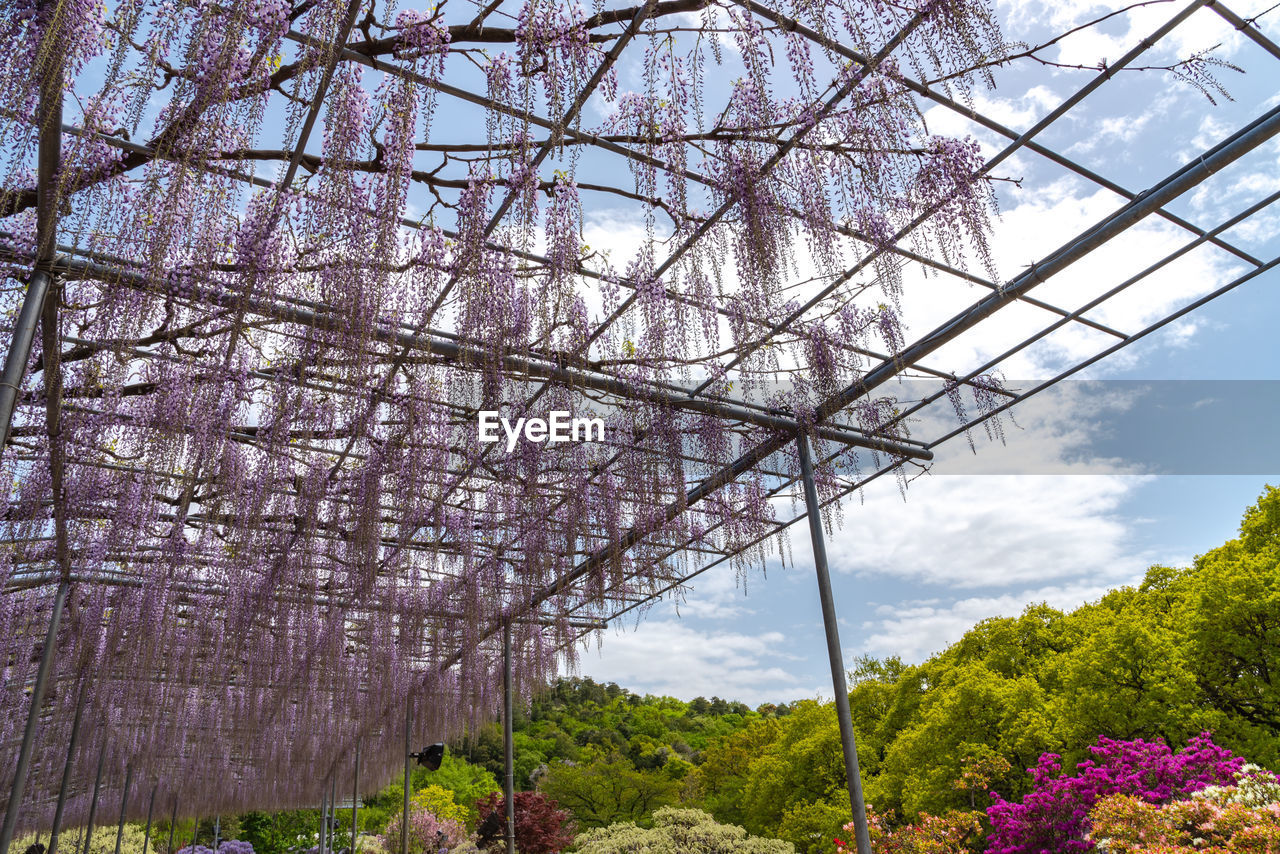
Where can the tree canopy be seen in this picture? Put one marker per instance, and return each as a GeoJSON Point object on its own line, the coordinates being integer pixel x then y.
{"type": "Point", "coordinates": [1183, 652]}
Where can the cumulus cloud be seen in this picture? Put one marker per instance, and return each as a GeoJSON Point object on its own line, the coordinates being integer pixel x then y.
{"type": "Point", "coordinates": [990, 531]}
{"type": "Point", "coordinates": [1026, 233]}
{"type": "Point", "coordinates": [1112, 40]}
{"type": "Point", "coordinates": [914, 630]}
{"type": "Point", "coordinates": [673, 658]}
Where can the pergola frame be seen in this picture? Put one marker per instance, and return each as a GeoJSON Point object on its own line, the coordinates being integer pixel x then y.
{"type": "Point", "coordinates": [765, 432]}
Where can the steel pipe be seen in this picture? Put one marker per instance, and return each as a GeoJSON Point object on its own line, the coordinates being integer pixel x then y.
{"type": "Point", "coordinates": [404, 816]}
{"type": "Point", "coordinates": [151, 806]}
{"type": "Point", "coordinates": [519, 365]}
{"type": "Point", "coordinates": [834, 652]}
{"type": "Point", "coordinates": [508, 743]}
{"type": "Point", "coordinates": [33, 721]}
{"type": "Point", "coordinates": [124, 804]}
{"type": "Point", "coordinates": [93, 802]}
{"type": "Point", "coordinates": [72, 744]}
{"type": "Point", "coordinates": [355, 800]}
{"type": "Point", "coordinates": [1252, 135]}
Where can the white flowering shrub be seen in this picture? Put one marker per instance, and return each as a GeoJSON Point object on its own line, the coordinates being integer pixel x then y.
{"type": "Point", "coordinates": [1255, 787]}
{"type": "Point", "coordinates": [678, 831]}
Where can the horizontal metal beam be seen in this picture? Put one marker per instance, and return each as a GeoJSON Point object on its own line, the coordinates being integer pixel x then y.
{"type": "Point", "coordinates": [514, 365]}
{"type": "Point", "coordinates": [1257, 132]}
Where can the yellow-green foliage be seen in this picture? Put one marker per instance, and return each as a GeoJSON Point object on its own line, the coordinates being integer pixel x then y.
{"type": "Point", "coordinates": [103, 841]}
{"type": "Point", "coordinates": [439, 802]}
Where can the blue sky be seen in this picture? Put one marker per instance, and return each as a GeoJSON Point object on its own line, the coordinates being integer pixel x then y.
{"type": "Point", "coordinates": [911, 575]}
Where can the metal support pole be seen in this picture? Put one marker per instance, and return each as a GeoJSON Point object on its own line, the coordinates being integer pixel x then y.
{"type": "Point", "coordinates": [195, 833]}
{"type": "Point", "coordinates": [66, 771]}
{"type": "Point", "coordinates": [508, 741]}
{"type": "Point", "coordinates": [15, 363]}
{"type": "Point", "coordinates": [324, 819]}
{"type": "Point", "coordinates": [404, 816]}
{"type": "Point", "coordinates": [173, 824]}
{"type": "Point", "coordinates": [843, 713]}
{"type": "Point", "coordinates": [50, 157]}
{"type": "Point", "coordinates": [217, 831]}
{"type": "Point", "coordinates": [124, 804]}
{"type": "Point", "coordinates": [151, 807]}
{"type": "Point", "coordinates": [33, 721]}
{"type": "Point", "coordinates": [93, 802]}
{"type": "Point", "coordinates": [333, 813]}
{"type": "Point", "coordinates": [355, 800]}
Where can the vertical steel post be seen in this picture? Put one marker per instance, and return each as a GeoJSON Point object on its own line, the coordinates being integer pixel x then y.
{"type": "Point", "coordinates": [66, 771]}
{"type": "Point", "coordinates": [151, 806]}
{"type": "Point", "coordinates": [93, 802]}
{"type": "Point", "coordinates": [333, 812]}
{"type": "Point", "coordinates": [33, 305]}
{"type": "Point", "coordinates": [24, 332]}
{"type": "Point", "coordinates": [50, 157]}
{"type": "Point", "coordinates": [33, 721]}
{"type": "Point", "coordinates": [355, 800]}
{"type": "Point", "coordinates": [173, 824]}
{"type": "Point", "coordinates": [843, 713]}
{"type": "Point", "coordinates": [508, 742]}
{"type": "Point", "coordinates": [324, 806]}
{"type": "Point", "coordinates": [404, 816]}
{"type": "Point", "coordinates": [124, 804]}
{"type": "Point", "coordinates": [217, 832]}
{"type": "Point", "coordinates": [195, 834]}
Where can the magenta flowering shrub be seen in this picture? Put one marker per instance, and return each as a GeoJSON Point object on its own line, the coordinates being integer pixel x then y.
{"type": "Point", "coordinates": [1053, 817]}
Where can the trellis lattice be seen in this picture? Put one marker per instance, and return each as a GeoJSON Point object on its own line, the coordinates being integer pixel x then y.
{"type": "Point", "coordinates": [279, 258]}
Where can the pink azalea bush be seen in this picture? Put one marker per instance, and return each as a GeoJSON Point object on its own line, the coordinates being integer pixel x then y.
{"type": "Point", "coordinates": [1124, 824]}
{"type": "Point", "coordinates": [1131, 797]}
{"type": "Point", "coordinates": [427, 833]}
{"type": "Point", "coordinates": [1054, 816]}
{"type": "Point", "coordinates": [950, 833]}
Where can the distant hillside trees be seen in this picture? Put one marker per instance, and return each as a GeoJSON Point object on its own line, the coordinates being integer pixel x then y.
{"type": "Point", "coordinates": [1184, 652]}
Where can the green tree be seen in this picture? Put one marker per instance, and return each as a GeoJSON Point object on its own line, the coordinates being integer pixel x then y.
{"type": "Point", "coordinates": [718, 784]}
{"type": "Point", "coordinates": [610, 790]}
{"type": "Point", "coordinates": [279, 832]}
{"type": "Point", "coordinates": [1232, 616]}
{"type": "Point", "coordinates": [805, 764]}
{"type": "Point", "coordinates": [811, 827]}
{"type": "Point", "coordinates": [466, 782]}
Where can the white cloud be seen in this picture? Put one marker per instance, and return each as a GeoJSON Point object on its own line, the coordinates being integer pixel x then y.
{"type": "Point", "coordinates": [991, 531]}
{"type": "Point", "coordinates": [1113, 39]}
{"type": "Point", "coordinates": [672, 658]}
{"type": "Point", "coordinates": [916, 630]}
{"type": "Point", "coordinates": [1025, 234]}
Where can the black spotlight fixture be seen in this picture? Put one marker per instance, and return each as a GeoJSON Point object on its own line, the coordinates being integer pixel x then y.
{"type": "Point", "coordinates": [430, 756]}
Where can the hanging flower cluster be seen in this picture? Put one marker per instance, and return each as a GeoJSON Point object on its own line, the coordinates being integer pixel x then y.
{"type": "Point", "coordinates": [295, 280]}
